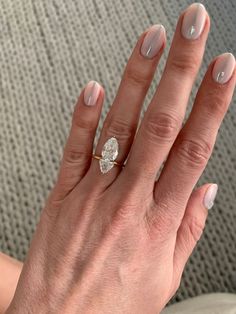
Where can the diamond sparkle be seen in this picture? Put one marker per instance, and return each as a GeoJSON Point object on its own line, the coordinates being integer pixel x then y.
{"type": "Point", "coordinates": [109, 154]}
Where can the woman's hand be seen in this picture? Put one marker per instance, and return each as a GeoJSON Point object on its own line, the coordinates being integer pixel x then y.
{"type": "Point", "coordinates": [118, 242]}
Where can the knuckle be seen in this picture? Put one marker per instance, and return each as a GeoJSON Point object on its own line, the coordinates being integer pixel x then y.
{"type": "Point", "coordinates": [137, 76]}
{"type": "Point", "coordinates": [49, 213]}
{"type": "Point", "coordinates": [122, 219]}
{"type": "Point", "coordinates": [184, 63]}
{"type": "Point", "coordinates": [194, 153]}
{"type": "Point", "coordinates": [162, 126]}
{"type": "Point", "coordinates": [124, 213]}
{"type": "Point", "coordinates": [84, 124]}
{"type": "Point", "coordinates": [216, 102]}
{"type": "Point", "coordinates": [73, 155]}
{"type": "Point", "coordinates": [168, 219]}
{"type": "Point", "coordinates": [162, 222]}
{"type": "Point", "coordinates": [194, 228]}
{"type": "Point", "coordinates": [127, 207]}
{"type": "Point", "coordinates": [118, 127]}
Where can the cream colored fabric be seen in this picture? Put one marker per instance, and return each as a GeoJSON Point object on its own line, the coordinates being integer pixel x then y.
{"type": "Point", "coordinates": [49, 49]}
{"type": "Point", "coordinates": [218, 303]}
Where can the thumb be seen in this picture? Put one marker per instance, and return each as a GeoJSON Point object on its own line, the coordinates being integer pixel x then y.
{"type": "Point", "coordinates": [192, 226]}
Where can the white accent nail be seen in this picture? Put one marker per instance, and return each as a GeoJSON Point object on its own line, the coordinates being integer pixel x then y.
{"type": "Point", "coordinates": [210, 196]}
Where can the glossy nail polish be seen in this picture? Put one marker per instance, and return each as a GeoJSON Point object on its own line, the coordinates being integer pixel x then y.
{"type": "Point", "coordinates": [210, 196]}
{"type": "Point", "coordinates": [194, 21]}
{"type": "Point", "coordinates": [153, 41]}
{"type": "Point", "coordinates": [223, 68]}
{"type": "Point", "coordinates": [91, 93]}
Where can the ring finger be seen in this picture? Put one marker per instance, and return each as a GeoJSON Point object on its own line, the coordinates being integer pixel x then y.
{"type": "Point", "coordinates": [123, 117]}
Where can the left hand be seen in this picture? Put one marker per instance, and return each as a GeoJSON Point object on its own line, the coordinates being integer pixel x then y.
{"type": "Point", "coordinates": [118, 242]}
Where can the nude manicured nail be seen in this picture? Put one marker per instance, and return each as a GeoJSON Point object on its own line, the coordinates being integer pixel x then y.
{"type": "Point", "coordinates": [210, 196]}
{"type": "Point", "coordinates": [91, 93]}
{"type": "Point", "coordinates": [153, 41]}
{"type": "Point", "coordinates": [223, 68]}
{"type": "Point", "coordinates": [194, 21]}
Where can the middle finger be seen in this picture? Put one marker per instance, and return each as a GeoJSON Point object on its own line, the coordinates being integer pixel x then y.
{"type": "Point", "coordinates": [163, 119]}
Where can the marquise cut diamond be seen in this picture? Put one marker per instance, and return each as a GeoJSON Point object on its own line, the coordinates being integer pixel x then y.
{"type": "Point", "coordinates": [110, 149]}
{"type": "Point", "coordinates": [109, 154]}
{"type": "Point", "coordinates": [105, 165]}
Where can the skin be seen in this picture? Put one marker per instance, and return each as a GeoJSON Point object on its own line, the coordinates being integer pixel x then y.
{"type": "Point", "coordinates": [118, 243]}
{"type": "Point", "coordinates": [10, 270]}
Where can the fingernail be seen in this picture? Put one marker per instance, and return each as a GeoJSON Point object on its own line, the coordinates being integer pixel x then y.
{"type": "Point", "coordinates": [153, 41]}
{"type": "Point", "coordinates": [210, 196]}
{"type": "Point", "coordinates": [223, 68]}
{"type": "Point", "coordinates": [91, 93]}
{"type": "Point", "coordinates": [194, 21]}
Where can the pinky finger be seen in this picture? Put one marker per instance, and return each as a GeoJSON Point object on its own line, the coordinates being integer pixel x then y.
{"type": "Point", "coordinates": [79, 146]}
{"type": "Point", "coordinates": [191, 228]}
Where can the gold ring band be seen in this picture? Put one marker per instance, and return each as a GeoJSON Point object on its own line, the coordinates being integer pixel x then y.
{"type": "Point", "coordinates": [114, 162]}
